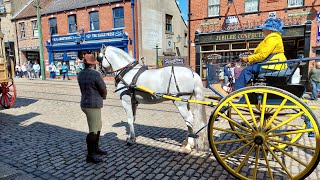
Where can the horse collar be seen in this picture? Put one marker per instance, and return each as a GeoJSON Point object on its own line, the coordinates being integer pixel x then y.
{"type": "Point", "coordinates": [123, 72]}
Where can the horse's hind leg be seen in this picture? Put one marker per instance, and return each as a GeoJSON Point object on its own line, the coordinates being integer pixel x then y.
{"type": "Point", "coordinates": [127, 105]}
{"type": "Point", "coordinates": [185, 112]}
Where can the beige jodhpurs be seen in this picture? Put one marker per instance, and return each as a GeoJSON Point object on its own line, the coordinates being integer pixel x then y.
{"type": "Point", "coordinates": [93, 118]}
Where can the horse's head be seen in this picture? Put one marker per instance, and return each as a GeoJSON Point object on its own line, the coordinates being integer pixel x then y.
{"type": "Point", "coordinates": [102, 59]}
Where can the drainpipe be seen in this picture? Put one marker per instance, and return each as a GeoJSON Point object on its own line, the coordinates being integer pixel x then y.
{"type": "Point", "coordinates": [189, 38]}
{"type": "Point", "coordinates": [133, 30]}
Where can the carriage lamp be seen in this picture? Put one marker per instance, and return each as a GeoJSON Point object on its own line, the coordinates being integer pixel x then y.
{"type": "Point", "coordinates": [230, 2]}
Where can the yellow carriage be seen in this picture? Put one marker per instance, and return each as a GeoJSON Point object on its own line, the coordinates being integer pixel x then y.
{"type": "Point", "coordinates": [264, 131]}
{"type": "Point", "coordinates": [7, 87]}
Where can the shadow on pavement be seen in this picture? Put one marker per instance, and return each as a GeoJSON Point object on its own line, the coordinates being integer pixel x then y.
{"type": "Point", "coordinates": [23, 102]}
{"type": "Point", "coordinates": [51, 152]}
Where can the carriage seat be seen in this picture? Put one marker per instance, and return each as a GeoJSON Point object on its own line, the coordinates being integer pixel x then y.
{"type": "Point", "coordinates": [275, 77]}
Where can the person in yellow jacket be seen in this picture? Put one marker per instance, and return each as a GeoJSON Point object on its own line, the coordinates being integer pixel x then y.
{"type": "Point", "coordinates": [270, 50]}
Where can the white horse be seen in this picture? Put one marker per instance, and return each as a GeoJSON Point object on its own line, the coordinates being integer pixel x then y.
{"type": "Point", "coordinates": [170, 80]}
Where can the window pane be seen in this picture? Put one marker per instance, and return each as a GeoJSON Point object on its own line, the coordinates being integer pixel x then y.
{"type": "Point", "coordinates": [222, 47]}
{"type": "Point", "coordinates": [251, 5]}
{"type": "Point", "coordinates": [239, 46]}
{"type": "Point", "coordinates": [118, 17]}
{"type": "Point", "coordinates": [207, 48]}
{"type": "Point", "coordinates": [53, 26]}
{"type": "Point", "coordinates": [72, 23]}
{"type": "Point", "coordinates": [293, 3]}
{"type": "Point", "coordinates": [214, 10]}
{"type": "Point", "coordinates": [94, 20]}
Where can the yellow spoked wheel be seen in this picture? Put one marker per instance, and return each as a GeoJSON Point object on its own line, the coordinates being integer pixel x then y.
{"type": "Point", "coordinates": [266, 119]}
{"type": "Point", "coordinates": [232, 114]}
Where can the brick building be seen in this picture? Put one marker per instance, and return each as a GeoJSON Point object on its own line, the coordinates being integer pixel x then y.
{"type": "Point", "coordinates": [8, 9]}
{"type": "Point", "coordinates": [71, 28]}
{"type": "Point", "coordinates": [224, 28]}
{"type": "Point", "coordinates": [26, 26]}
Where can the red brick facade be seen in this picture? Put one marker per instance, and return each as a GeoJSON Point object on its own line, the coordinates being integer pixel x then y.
{"type": "Point", "coordinates": [199, 20]}
{"type": "Point", "coordinates": [82, 19]}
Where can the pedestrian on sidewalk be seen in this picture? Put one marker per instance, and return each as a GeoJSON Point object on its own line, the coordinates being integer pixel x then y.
{"type": "Point", "coordinates": [29, 70]}
{"type": "Point", "coordinates": [52, 69]}
{"type": "Point", "coordinates": [315, 80]}
{"type": "Point", "coordinates": [36, 69]}
{"type": "Point", "coordinates": [93, 92]}
{"type": "Point", "coordinates": [24, 70]}
{"type": "Point", "coordinates": [65, 70]}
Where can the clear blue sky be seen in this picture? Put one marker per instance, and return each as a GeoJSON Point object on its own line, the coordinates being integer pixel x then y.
{"type": "Point", "coordinates": [184, 8]}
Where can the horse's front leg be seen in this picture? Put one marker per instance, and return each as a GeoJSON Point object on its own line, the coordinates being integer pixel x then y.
{"type": "Point", "coordinates": [127, 104]}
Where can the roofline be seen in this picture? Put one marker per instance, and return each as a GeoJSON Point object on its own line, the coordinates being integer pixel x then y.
{"type": "Point", "coordinates": [82, 7]}
{"type": "Point", "coordinates": [14, 16]}
{"type": "Point", "coordinates": [180, 13]}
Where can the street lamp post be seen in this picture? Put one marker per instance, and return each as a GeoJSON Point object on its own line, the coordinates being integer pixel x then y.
{"type": "Point", "coordinates": [43, 75]}
{"type": "Point", "coordinates": [157, 48]}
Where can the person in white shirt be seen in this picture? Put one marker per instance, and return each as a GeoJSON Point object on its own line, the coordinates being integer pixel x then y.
{"type": "Point", "coordinates": [24, 70]}
{"type": "Point", "coordinates": [36, 69]}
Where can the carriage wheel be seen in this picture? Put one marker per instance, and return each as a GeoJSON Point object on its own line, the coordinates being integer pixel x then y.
{"type": "Point", "coordinates": [258, 152]}
{"type": "Point", "coordinates": [232, 114]}
{"type": "Point", "coordinates": [8, 94]}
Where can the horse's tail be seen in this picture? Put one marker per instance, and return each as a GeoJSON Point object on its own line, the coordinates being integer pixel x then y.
{"type": "Point", "coordinates": [201, 143]}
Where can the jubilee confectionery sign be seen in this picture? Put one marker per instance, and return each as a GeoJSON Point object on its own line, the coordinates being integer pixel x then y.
{"type": "Point", "coordinates": [236, 36]}
{"type": "Point", "coordinates": [318, 34]}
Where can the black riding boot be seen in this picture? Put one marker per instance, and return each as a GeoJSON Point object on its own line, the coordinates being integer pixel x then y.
{"type": "Point", "coordinates": [98, 150]}
{"type": "Point", "coordinates": [91, 145]}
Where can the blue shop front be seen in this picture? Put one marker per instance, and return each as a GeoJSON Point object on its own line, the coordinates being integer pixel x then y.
{"type": "Point", "coordinates": [71, 48]}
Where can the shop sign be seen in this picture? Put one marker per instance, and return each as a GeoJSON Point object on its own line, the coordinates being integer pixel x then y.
{"type": "Point", "coordinates": [231, 20]}
{"type": "Point", "coordinates": [236, 36]}
{"type": "Point", "coordinates": [318, 35]}
{"type": "Point", "coordinates": [58, 56]}
{"type": "Point", "coordinates": [167, 61]}
{"type": "Point", "coordinates": [71, 55]}
{"type": "Point", "coordinates": [29, 48]}
{"type": "Point", "coordinates": [318, 17]}
{"type": "Point", "coordinates": [67, 38]}
{"type": "Point", "coordinates": [103, 35]}
{"type": "Point", "coordinates": [299, 14]}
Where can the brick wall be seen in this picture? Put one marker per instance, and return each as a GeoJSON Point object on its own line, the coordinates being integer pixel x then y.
{"type": "Point", "coordinates": [105, 21]}
{"type": "Point", "coordinates": [199, 11]}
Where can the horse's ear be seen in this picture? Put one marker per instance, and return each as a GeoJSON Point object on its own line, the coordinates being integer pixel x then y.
{"type": "Point", "coordinates": [104, 47]}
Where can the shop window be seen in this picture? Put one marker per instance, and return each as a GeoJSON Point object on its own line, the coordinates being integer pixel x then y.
{"type": "Point", "coordinates": [168, 23]}
{"type": "Point", "coordinates": [94, 20]}
{"type": "Point", "coordinates": [213, 8]}
{"type": "Point", "coordinates": [207, 48]}
{"type": "Point", "coordinates": [295, 3]}
{"type": "Point", "coordinates": [53, 26]}
{"type": "Point", "coordinates": [72, 20]}
{"type": "Point", "coordinates": [239, 46]}
{"type": "Point", "coordinates": [222, 47]}
{"type": "Point", "coordinates": [34, 28]}
{"type": "Point", "coordinates": [22, 30]}
{"type": "Point", "coordinates": [251, 5]}
{"type": "Point", "coordinates": [253, 44]}
{"type": "Point", "coordinates": [118, 17]}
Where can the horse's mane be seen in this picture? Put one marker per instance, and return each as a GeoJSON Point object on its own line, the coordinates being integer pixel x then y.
{"type": "Point", "coordinates": [117, 53]}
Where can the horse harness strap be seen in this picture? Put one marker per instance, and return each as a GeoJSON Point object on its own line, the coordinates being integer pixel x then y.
{"type": "Point", "coordinates": [177, 87]}
{"type": "Point", "coordinates": [123, 72]}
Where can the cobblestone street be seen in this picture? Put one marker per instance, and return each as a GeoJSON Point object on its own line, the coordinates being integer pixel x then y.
{"type": "Point", "coordinates": [43, 137]}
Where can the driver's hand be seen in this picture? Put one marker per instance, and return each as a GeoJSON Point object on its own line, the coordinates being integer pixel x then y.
{"type": "Point", "coordinates": [244, 59]}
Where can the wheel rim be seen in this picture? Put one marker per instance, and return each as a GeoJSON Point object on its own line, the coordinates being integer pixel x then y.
{"type": "Point", "coordinates": [257, 148]}
{"type": "Point", "coordinates": [8, 95]}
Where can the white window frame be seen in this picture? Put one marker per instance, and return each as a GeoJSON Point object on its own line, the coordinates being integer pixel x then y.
{"type": "Point", "coordinates": [295, 3]}
{"type": "Point", "coordinates": [35, 31]}
{"type": "Point", "coordinates": [22, 28]}
{"type": "Point", "coordinates": [213, 4]}
{"type": "Point", "coordinates": [252, 8]}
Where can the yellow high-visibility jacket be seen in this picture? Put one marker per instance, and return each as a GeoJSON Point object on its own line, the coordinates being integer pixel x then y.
{"type": "Point", "coordinates": [272, 43]}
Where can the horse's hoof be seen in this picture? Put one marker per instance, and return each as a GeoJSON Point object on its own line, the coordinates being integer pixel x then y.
{"type": "Point", "coordinates": [186, 149]}
{"type": "Point", "coordinates": [130, 142]}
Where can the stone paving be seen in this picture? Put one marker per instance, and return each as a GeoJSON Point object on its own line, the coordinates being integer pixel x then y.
{"type": "Point", "coordinates": [43, 137]}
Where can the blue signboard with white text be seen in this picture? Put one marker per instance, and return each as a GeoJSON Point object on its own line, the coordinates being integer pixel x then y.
{"type": "Point", "coordinates": [103, 35]}
{"type": "Point", "coordinates": [318, 17]}
{"type": "Point", "coordinates": [318, 34]}
{"type": "Point", "coordinates": [67, 38]}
